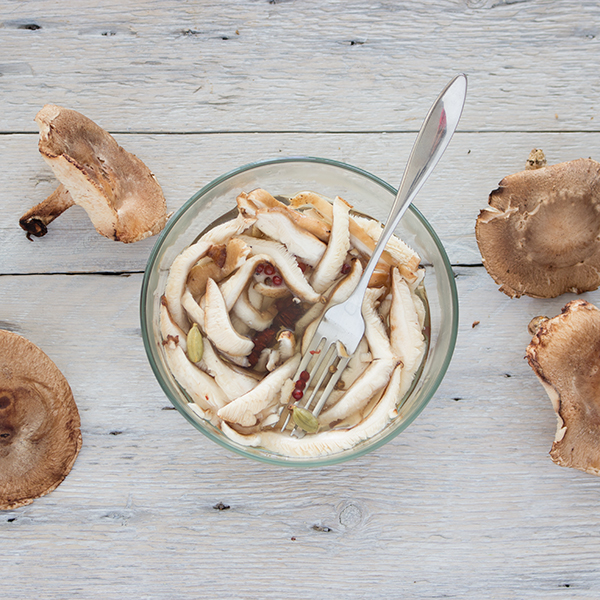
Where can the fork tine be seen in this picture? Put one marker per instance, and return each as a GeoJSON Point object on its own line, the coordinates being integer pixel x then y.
{"type": "Point", "coordinates": [335, 351]}
{"type": "Point", "coordinates": [341, 365]}
{"type": "Point", "coordinates": [322, 373]}
{"type": "Point", "coordinates": [310, 353]}
{"type": "Point", "coordinates": [331, 384]}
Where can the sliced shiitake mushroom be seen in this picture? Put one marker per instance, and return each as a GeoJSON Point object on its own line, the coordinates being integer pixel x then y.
{"type": "Point", "coordinates": [540, 234]}
{"type": "Point", "coordinates": [565, 355]}
{"type": "Point", "coordinates": [117, 190]}
{"type": "Point", "coordinates": [39, 423]}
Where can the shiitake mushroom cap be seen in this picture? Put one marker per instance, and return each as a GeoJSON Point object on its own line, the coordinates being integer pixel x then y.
{"type": "Point", "coordinates": [40, 433]}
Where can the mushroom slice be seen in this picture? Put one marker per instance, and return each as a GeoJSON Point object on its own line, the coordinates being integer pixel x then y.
{"type": "Point", "coordinates": [359, 238]}
{"type": "Point", "coordinates": [271, 291]}
{"type": "Point", "coordinates": [406, 336]}
{"type": "Point", "coordinates": [379, 342]}
{"type": "Point", "coordinates": [239, 325]}
{"type": "Point", "coordinates": [240, 361]}
{"type": "Point", "coordinates": [202, 388]}
{"type": "Point", "coordinates": [274, 360]}
{"type": "Point", "coordinates": [264, 358]}
{"type": "Point", "coordinates": [377, 374]}
{"type": "Point", "coordinates": [116, 189]}
{"type": "Point", "coordinates": [169, 329]}
{"type": "Point", "coordinates": [178, 273]}
{"type": "Point", "coordinates": [257, 300]}
{"type": "Point", "coordinates": [286, 344]}
{"type": "Point", "coordinates": [232, 287]}
{"type": "Point", "coordinates": [232, 382]}
{"type": "Point", "coordinates": [565, 355]}
{"type": "Point", "coordinates": [218, 326]}
{"type": "Point", "coordinates": [220, 261]}
{"type": "Point", "coordinates": [286, 348]}
{"type": "Point", "coordinates": [287, 266]}
{"type": "Point", "coordinates": [245, 205]}
{"type": "Point", "coordinates": [540, 235]}
{"type": "Point", "coordinates": [326, 442]}
{"type": "Point", "coordinates": [404, 257]}
{"type": "Point", "coordinates": [263, 200]}
{"type": "Point", "coordinates": [330, 266]}
{"type": "Point", "coordinates": [244, 409]}
{"type": "Point", "coordinates": [193, 310]}
{"type": "Point", "coordinates": [39, 423]}
{"type": "Point", "coordinates": [255, 319]}
{"type": "Point", "coordinates": [223, 232]}
{"type": "Point", "coordinates": [278, 226]}
{"type": "Point", "coordinates": [372, 380]}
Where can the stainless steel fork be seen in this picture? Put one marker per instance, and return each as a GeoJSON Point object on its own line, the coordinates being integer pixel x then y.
{"type": "Point", "coordinates": [342, 326]}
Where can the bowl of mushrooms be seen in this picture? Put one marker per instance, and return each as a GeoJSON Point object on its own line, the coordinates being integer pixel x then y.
{"type": "Point", "coordinates": [238, 281]}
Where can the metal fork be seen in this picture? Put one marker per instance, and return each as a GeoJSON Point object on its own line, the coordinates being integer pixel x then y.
{"type": "Point", "coordinates": [342, 326]}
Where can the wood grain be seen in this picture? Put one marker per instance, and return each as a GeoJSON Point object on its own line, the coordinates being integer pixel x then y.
{"type": "Point", "coordinates": [311, 66]}
{"type": "Point", "coordinates": [465, 503]}
{"type": "Point", "coordinates": [450, 200]}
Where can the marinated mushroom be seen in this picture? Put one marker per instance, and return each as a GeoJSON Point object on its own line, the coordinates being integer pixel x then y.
{"type": "Point", "coordinates": [116, 189]}
{"type": "Point", "coordinates": [565, 355]}
{"type": "Point", "coordinates": [289, 267]}
{"type": "Point", "coordinates": [540, 234]}
{"type": "Point", "coordinates": [39, 423]}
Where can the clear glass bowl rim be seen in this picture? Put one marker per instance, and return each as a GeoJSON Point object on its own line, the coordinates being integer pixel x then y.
{"type": "Point", "coordinates": [148, 339]}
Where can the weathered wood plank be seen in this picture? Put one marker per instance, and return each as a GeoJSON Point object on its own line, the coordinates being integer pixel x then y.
{"type": "Point", "coordinates": [465, 503]}
{"type": "Point", "coordinates": [450, 200]}
{"type": "Point", "coordinates": [311, 66]}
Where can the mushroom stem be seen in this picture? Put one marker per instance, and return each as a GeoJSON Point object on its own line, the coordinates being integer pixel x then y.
{"type": "Point", "coordinates": [535, 160]}
{"type": "Point", "coordinates": [535, 324]}
{"type": "Point", "coordinates": [36, 220]}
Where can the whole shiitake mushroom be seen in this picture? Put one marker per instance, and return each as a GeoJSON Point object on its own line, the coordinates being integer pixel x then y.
{"type": "Point", "coordinates": [540, 234]}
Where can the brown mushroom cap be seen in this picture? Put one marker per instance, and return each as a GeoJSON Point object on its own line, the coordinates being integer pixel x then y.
{"type": "Point", "coordinates": [540, 236]}
{"type": "Point", "coordinates": [39, 423]}
{"type": "Point", "coordinates": [565, 355]}
{"type": "Point", "coordinates": [116, 189]}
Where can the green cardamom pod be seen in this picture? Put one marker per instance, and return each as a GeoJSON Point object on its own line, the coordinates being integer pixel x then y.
{"type": "Point", "coordinates": [195, 344]}
{"type": "Point", "coordinates": [305, 419]}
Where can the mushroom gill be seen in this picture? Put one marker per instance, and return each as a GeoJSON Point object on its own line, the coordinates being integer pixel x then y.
{"type": "Point", "coordinates": [39, 423]}
{"type": "Point", "coordinates": [565, 355]}
{"type": "Point", "coordinates": [540, 234]}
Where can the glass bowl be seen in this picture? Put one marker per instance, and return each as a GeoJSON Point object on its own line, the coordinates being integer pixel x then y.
{"type": "Point", "coordinates": [288, 176]}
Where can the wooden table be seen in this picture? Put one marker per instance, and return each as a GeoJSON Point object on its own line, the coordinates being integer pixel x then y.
{"type": "Point", "coordinates": [466, 503]}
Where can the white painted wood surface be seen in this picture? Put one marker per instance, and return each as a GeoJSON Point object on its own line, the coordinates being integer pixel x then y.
{"type": "Point", "coordinates": [466, 503]}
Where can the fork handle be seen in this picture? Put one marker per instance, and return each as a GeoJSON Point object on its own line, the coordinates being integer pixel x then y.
{"type": "Point", "coordinates": [433, 138]}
